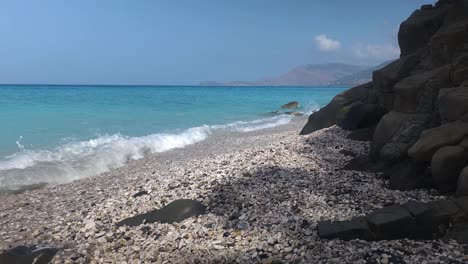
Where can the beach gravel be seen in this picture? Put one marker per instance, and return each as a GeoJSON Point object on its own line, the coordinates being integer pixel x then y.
{"type": "Point", "coordinates": [264, 193]}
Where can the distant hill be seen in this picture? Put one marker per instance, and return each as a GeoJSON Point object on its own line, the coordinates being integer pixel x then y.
{"type": "Point", "coordinates": [330, 74]}
{"type": "Point", "coordinates": [360, 77]}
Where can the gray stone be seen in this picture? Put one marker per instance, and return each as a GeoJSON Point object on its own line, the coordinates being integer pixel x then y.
{"type": "Point", "coordinates": [356, 228]}
{"type": "Point", "coordinates": [140, 193]}
{"type": "Point", "coordinates": [433, 139]}
{"type": "Point", "coordinates": [27, 255]}
{"type": "Point", "coordinates": [290, 105]}
{"type": "Point", "coordinates": [453, 104]}
{"type": "Point", "coordinates": [462, 184]}
{"type": "Point", "coordinates": [392, 222]}
{"type": "Point", "coordinates": [446, 165]}
{"type": "Point", "coordinates": [176, 211]}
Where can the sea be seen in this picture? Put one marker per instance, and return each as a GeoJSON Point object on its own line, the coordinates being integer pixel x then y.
{"type": "Point", "coordinates": [55, 134]}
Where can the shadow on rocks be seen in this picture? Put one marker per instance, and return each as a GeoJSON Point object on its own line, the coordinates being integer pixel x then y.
{"type": "Point", "coordinates": [276, 209]}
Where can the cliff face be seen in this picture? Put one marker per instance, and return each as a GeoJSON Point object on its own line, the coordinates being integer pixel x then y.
{"type": "Point", "coordinates": [418, 105]}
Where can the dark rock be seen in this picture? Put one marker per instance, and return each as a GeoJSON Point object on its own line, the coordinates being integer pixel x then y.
{"type": "Point", "coordinates": [363, 163]}
{"type": "Point", "coordinates": [176, 211]}
{"type": "Point", "coordinates": [458, 233]}
{"type": "Point", "coordinates": [385, 79]}
{"type": "Point", "coordinates": [408, 175]}
{"type": "Point", "coordinates": [294, 113]}
{"type": "Point", "coordinates": [28, 255]}
{"type": "Point", "coordinates": [386, 129]}
{"type": "Point", "coordinates": [409, 97]}
{"type": "Point", "coordinates": [445, 212]}
{"type": "Point", "coordinates": [460, 70]}
{"type": "Point", "coordinates": [462, 202]}
{"type": "Point", "coordinates": [327, 116]}
{"type": "Point", "coordinates": [362, 116]}
{"type": "Point", "coordinates": [290, 105]}
{"type": "Point", "coordinates": [392, 222]}
{"type": "Point", "coordinates": [417, 30]}
{"type": "Point", "coordinates": [363, 134]}
{"type": "Point", "coordinates": [356, 228]}
{"type": "Point", "coordinates": [140, 193]}
{"type": "Point", "coordinates": [462, 184]}
{"type": "Point", "coordinates": [449, 42]}
{"type": "Point", "coordinates": [446, 165]}
{"type": "Point", "coordinates": [395, 149]}
{"type": "Point", "coordinates": [464, 144]}
{"type": "Point", "coordinates": [422, 214]}
{"type": "Point", "coordinates": [433, 139]}
{"type": "Point", "coordinates": [347, 153]}
{"type": "Point", "coordinates": [453, 104]}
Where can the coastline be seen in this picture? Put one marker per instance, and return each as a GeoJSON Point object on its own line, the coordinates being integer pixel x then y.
{"type": "Point", "coordinates": [265, 191]}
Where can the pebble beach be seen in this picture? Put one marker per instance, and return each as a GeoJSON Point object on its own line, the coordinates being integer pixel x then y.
{"type": "Point", "coordinates": [265, 192]}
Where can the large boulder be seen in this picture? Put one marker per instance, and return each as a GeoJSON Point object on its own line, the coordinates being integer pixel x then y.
{"type": "Point", "coordinates": [328, 115]}
{"type": "Point", "coordinates": [419, 28]}
{"type": "Point", "coordinates": [446, 165]}
{"type": "Point", "coordinates": [460, 70]}
{"type": "Point", "coordinates": [433, 139]}
{"type": "Point", "coordinates": [449, 42]}
{"type": "Point", "coordinates": [453, 104]}
{"type": "Point", "coordinates": [362, 116]}
{"type": "Point", "coordinates": [385, 78]}
{"type": "Point", "coordinates": [395, 134]}
{"type": "Point", "coordinates": [412, 92]}
{"type": "Point", "coordinates": [387, 127]}
{"type": "Point", "coordinates": [174, 212]}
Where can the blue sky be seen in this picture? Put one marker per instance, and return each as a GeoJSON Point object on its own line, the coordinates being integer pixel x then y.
{"type": "Point", "coordinates": [184, 42]}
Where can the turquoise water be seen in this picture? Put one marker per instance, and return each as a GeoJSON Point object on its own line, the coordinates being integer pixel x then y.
{"type": "Point", "coordinates": [56, 134]}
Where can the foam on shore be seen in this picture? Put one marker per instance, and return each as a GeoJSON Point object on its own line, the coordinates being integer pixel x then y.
{"type": "Point", "coordinates": [78, 160]}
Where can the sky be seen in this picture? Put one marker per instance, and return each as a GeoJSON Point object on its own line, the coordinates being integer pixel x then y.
{"type": "Point", "coordinates": [153, 42]}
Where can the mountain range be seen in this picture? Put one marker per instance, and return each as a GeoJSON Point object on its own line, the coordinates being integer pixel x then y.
{"type": "Point", "coordinates": [329, 74]}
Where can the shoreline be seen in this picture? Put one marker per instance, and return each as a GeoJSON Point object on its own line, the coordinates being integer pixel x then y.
{"type": "Point", "coordinates": [265, 191]}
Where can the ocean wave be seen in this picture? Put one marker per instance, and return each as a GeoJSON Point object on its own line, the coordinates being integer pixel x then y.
{"type": "Point", "coordinates": [258, 124]}
{"type": "Point", "coordinates": [88, 158]}
{"type": "Point", "coordinates": [77, 160]}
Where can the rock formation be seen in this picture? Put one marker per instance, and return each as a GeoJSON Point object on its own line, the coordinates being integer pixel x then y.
{"type": "Point", "coordinates": [418, 105]}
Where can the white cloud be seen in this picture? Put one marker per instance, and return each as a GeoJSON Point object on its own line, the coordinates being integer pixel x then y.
{"type": "Point", "coordinates": [326, 44]}
{"type": "Point", "coordinates": [384, 52]}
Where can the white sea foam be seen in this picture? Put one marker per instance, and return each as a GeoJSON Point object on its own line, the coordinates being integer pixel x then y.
{"type": "Point", "coordinates": [88, 158]}
{"type": "Point", "coordinates": [261, 123]}
{"type": "Point", "coordinates": [76, 160]}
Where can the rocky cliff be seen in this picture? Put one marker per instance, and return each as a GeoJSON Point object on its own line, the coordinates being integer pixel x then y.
{"type": "Point", "coordinates": [416, 108]}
